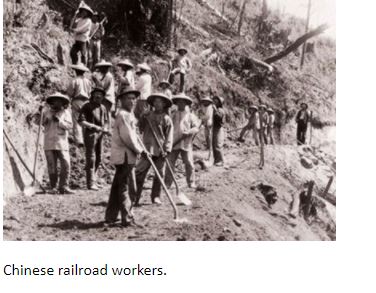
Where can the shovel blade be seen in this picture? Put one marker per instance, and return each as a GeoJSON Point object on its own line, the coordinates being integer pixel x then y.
{"type": "Point", "coordinates": [29, 191]}
{"type": "Point", "coordinates": [184, 199]}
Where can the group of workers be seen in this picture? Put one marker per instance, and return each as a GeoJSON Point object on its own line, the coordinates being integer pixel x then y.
{"type": "Point", "coordinates": [165, 122]}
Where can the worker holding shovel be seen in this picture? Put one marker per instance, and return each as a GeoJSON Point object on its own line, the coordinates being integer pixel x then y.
{"type": "Point", "coordinates": [159, 119]}
{"type": "Point", "coordinates": [185, 126]}
{"type": "Point", "coordinates": [57, 122]}
{"type": "Point", "coordinates": [94, 119]}
{"type": "Point", "coordinates": [125, 149]}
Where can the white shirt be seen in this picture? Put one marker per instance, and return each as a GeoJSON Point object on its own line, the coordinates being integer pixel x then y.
{"type": "Point", "coordinates": [82, 29]}
{"type": "Point", "coordinates": [144, 85]}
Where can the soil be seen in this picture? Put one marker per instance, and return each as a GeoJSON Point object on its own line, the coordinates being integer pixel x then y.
{"type": "Point", "coordinates": [225, 206]}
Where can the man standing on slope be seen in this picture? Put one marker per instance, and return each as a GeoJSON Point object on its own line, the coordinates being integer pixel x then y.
{"type": "Point", "coordinates": [81, 26]}
{"type": "Point", "coordinates": [302, 119]}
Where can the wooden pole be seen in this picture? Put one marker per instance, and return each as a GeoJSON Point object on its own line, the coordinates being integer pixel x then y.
{"type": "Point", "coordinates": [306, 31]}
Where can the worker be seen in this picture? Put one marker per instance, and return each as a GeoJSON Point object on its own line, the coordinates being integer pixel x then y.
{"type": "Point", "coordinates": [95, 122]}
{"type": "Point", "coordinates": [103, 78]}
{"type": "Point", "coordinates": [264, 121]}
{"type": "Point", "coordinates": [57, 122]}
{"type": "Point", "coordinates": [143, 85]}
{"type": "Point", "coordinates": [181, 65]}
{"type": "Point", "coordinates": [126, 76]}
{"type": "Point", "coordinates": [252, 125]}
{"type": "Point", "coordinates": [97, 32]}
{"type": "Point", "coordinates": [218, 132]}
{"type": "Point", "coordinates": [81, 26]}
{"type": "Point", "coordinates": [79, 91]}
{"type": "Point", "coordinates": [302, 119]}
{"type": "Point", "coordinates": [159, 120]}
{"type": "Point", "coordinates": [125, 149]}
{"type": "Point", "coordinates": [270, 126]}
{"type": "Point", "coordinates": [185, 126]}
{"type": "Point", "coordinates": [207, 119]}
{"type": "Point", "coordinates": [165, 87]}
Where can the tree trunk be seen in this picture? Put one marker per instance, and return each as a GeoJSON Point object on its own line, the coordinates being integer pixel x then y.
{"type": "Point", "coordinates": [241, 17]}
{"type": "Point", "coordinates": [297, 43]}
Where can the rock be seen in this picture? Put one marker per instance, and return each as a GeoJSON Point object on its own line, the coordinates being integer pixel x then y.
{"type": "Point", "coordinates": [236, 222]}
{"type": "Point", "coordinates": [306, 163]}
{"type": "Point", "coordinates": [221, 238]}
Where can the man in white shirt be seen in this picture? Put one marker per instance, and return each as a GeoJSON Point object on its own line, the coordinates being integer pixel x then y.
{"type": "Point", "coordinates": [207, 118]}
{"type": "Point", "coordinates": [270, 126]}
{"type": "Point", "coordinates": [143, 85]}
{"type": "Point", "coordinates": [81, 26]}
{"type": "Point", "coordinates": [104, 78]}
{"type": "Point", "coordinates": [181, 65]}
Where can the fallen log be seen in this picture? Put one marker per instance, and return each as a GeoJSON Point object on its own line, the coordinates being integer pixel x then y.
{"type": "Point", "coordinates": [41, 53]}
{"type": "Point", "coordinates": [300, 41]}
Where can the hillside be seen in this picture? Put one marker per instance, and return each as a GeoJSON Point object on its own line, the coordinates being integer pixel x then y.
{"type": "Point", "coordinates": [226, 198]}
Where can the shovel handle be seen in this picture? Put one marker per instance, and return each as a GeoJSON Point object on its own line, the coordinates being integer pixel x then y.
{"type": "Point", "coordinates": [37, 143]}
{"type": "Point", "coordinates": [160, 179]}
{"type": "Point", "coordinates": [22, 161]}
{"type": "Point", "coordinates": [166, 160]}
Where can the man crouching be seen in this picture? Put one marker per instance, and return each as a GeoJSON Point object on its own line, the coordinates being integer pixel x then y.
{"type": "Point", "coordinates": [124, 151]}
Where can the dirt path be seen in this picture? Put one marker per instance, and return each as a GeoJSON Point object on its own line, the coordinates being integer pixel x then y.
{"type": "Point", "coordinates": [225, 209]}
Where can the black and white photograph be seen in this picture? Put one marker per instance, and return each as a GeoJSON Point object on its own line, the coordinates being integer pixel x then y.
{"type": "Point", "coordinates": [169, 120]}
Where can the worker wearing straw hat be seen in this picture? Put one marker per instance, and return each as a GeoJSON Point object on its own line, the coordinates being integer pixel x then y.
{"type": "Point", "coordinates": [143, 85]}
{"type": "Point", "coordinates": [207, 119]}
{"type": "Point", "coordinates": [79, 91]}
{"type": "Point", "coordinates": [264, 121]}
{"type": "Point", "coordinates": [126, 76]}
{"type": "Point", "coordinates": [218, 133]}
{"type": "Point", "coordinates": [185, 126]}
{"type": "Point", "coordinates": [181, 65]}
{"type": "Point", "coordinates": [161, 122]}
{"type": "Point", "coordinates": [94, 119]}
{"type": "Point", "coordinates": [81, 26]}
{"type": "Point", "coordinates": [124, 151]}
{"type": "Point", "coordinates": [57, 122]}
{"type": "Point", "coordinates": [103, 78]}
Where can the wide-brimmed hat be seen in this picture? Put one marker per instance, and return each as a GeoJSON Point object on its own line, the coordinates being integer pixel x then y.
{"type": "Point", "coordinates": [270, 110]}
{"type": "Point", "coordinates": [80, 67]}
{"type": "Point", "coordinates": [253, 107]}
{"type": "Point", "coordinates": [98, 89]}
{"type": "Point", "coordinates": [220, 99]}
{"type": "Point", "coordinates": [164, 82]}
{"type": "Point", "coordinates": [166, 98]}
{"type": "Point", "coordinates": [86, 7]}
{"type": "Point", "coordinates": [183, 49]}
{"type": "Point", "coordinates": [103, 63]}
{"type": "Point", "coordinates": [128, 90]}
{"type": "Point", "coordinates": [143, 67]}
{"type": "Point", "coordinates": [126, 62]}
{"type": "Point", "coordinates": [262, 106]}
{"type": "Point", "coordinates": [206, 99]}
{"type": "Point", "coordinates": [58, 95]}
{"type": "Point", "coordinates": [184, 97]}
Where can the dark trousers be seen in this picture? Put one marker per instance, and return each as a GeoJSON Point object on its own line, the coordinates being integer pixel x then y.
{"type": "Point", "coordinates": [93, 149]}
{"type": "Point", "coordinates": [76, 48]}
{"type": "Point", "coordinates": [182, 80]}
{"type": "Point", "coordinates": [142, 169]}
{"type": "Point", "coordinates": [218, 139]}
{"type": "Point", "coordinates": [120, 200]}
{"type": "Point", "coordinates": [301, 133]}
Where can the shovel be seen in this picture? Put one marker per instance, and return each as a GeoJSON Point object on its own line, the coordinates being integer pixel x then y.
{"type": "Point", "coordinates": [28, 190]}
{"type": "Point", "coordinates": [37, 144]}
{"type": "Point", "coordinates": [148, 157]}
{"type": "Point", "coordinates": [180, 195]}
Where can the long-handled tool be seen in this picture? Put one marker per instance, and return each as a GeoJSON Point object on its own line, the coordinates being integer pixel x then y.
{"type": "Point", "coordinates": [148, 157]}
{"type": "Point", "coordinates": [310, 126]}
{"type": "Point", "coordinates": [30, 190]}
{"type": "Point", "coordinates": [180, 195]}
{"type": "Point", "coordinates": [37, 143]}
{"type": "Point", "coordinates": [261, 164]}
